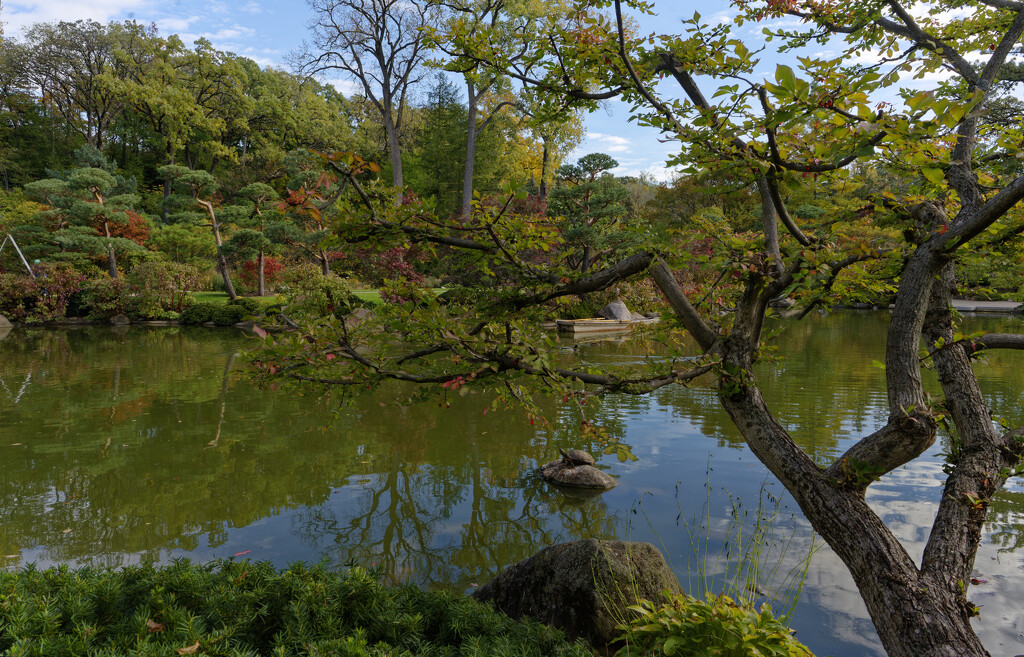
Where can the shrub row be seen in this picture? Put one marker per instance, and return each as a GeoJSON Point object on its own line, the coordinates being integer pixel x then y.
{"type": "Point", "coordinates": [227, 314]}
{"type": "Point", "coordinates": [236, 609]}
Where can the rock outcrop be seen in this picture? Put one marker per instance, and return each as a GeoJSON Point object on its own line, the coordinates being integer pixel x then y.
{"type": "Point", "coordinates": [582, 588]}
{"type": "Point", "coordinates": [617, 310]}
{"type": "Point", "coordinates": [575, 469]}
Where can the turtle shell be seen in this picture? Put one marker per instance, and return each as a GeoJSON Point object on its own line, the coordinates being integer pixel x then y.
{"type": "Point", "coordinates": [577, 457]}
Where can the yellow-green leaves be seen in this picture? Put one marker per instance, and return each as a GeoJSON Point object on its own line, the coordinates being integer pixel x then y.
{"type": "Point", "coordinates": [785, 77]}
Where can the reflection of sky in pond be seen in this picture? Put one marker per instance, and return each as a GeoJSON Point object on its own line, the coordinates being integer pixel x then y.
{"type": "Point", "coordinates": [138, 444]}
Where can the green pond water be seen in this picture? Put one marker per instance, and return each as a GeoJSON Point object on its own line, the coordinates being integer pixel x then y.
{"type": "Point", "coordinates": [120, 445]}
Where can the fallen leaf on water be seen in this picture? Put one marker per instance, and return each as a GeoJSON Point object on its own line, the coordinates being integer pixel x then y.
{"type": "Point", "coordinates": [363, 481]}
{"type": "Point", "coordinates": [11, 556]}
{"type": "Point", "coordinates": [154, 626]}
{"type": "Point", "coordinates": [244, 552]}
{"type": "Point", "coordinates": [66, 531]}
{"type": "Point", "coordinates": [977, 580]}
{"type": "Point", "coordinates": [188, 651]}
{"type": "Point", "coordinates": [15, 444]}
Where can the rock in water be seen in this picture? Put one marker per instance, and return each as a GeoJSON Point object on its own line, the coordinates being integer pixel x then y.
{"type": "Point", "coordinates": [120, 320]}
{"type": "Point", "coordinates": [576, 469]}
{"type": "Point", "coordinates": [4, 322]}
{"type": "Point", "coordinates": [616, 310]}
{"type": "Point", "coordinates": [582, 588]}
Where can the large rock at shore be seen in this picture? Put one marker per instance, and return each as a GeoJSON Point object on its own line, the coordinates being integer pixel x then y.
{"type": "Point", "coordinates": [5, 323]}
{"type": "Point", "coordinates": [582, 588]}
{"type": "Point", "coordinates": [616, 310]}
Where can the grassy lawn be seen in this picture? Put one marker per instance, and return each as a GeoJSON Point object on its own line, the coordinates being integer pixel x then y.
{"type": "Point", "coordinates": [370, 295]}
{"type": "Point", "coordinates": [373, 296]}
{"type": "Point", "coordinates": [222, 297]}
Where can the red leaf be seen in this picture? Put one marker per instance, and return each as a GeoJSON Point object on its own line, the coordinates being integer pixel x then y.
{"type": "Point", "coordinates": [239, 554]}
{"type": "Point", "coordinates": [331, 357]}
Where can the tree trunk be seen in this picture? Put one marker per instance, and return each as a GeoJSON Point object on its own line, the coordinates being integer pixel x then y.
{"type": "Point", "coordinates": [585, 259]}
{"type": "Point", "coordinates": [111, 261]}
{"type": "Point", "coordinates": [222, 266]}
{"type": "Point", "coordinates": [168, 185]}
{"type": "Point", "coordinates": [467, 175]}
{"type": "Point", "coordinates": [261, 284]}
{"type": "Point", "coordinates": [544, 169]}
{"type": "Point", "coordinates": [222, 262]}
{"type": "Point", "coordinates": [915, 615]}
{"type": "Point", "coordinates": [325, 266]}
{"type": "Point", "coordinates": [394, 148]}
{"type": "Point", "coordinates": [111, 254]}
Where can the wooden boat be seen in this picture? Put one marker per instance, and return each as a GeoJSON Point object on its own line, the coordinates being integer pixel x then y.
{"type": "Point", "coordinates": [599, 325]}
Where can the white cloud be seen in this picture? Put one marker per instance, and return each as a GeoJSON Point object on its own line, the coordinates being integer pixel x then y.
{"type": "Point", "coordinates": [344, 85]}
{"type": "Point", "coordinates": [175, 25]}
{"type": "Point", "coordinates": [610, 143]}
{"type": "Point", "coordinates": [19, 15]}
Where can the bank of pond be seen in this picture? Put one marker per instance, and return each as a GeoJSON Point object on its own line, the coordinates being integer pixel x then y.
{"type": "Point", "coordinates": [130, 445]}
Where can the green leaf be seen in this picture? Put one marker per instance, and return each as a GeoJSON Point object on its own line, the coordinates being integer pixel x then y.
{"type": "Point", "coordinates": [933, 175]}
{"type": "Point", "coordinates": [785, 77]}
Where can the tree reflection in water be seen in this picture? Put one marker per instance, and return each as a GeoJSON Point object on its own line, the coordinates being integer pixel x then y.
{"type": "Point", "coordinates": [142, 444]}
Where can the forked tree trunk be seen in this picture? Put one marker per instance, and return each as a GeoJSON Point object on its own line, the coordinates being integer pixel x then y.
{"type": "Point", "coordinates": [325, 265]}
{"type": "Point", "coordinates": [222, 262]}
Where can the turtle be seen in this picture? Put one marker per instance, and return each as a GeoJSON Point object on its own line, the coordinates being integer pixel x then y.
{"type": "Point", "coordinates": [576, 457]}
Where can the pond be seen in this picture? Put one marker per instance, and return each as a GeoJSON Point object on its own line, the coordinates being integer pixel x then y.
{"type": "Point", "coordinates": [120, 445]}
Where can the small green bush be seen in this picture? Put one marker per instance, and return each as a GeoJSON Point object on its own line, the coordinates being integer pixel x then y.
{"type": "Point", "coordinates": [684, 626]}
{"type": "Point", "coordinates": [311, 294]}
{"type": "Point", "coordinates": [236, 609]}
{"type": "Point", "coordinates": [199, 313]}
{"type": "Point", "coordinates": [250, 305]}
{"type": "Point", "coordinates": [228, 315]}
{"type": "Point", "coordinates": [161, 286]}
{"type": "Point", "coordinates": [107, 297]}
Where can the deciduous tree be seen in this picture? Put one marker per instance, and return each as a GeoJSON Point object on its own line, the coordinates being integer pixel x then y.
{"type": "Point", "coordinates": [756, 129]}
{"type": "Point", "coordinates": [379, 45]}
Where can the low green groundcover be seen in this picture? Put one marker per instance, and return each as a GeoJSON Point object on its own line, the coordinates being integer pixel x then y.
{"type": "Point", "coordinates": [242, 608]}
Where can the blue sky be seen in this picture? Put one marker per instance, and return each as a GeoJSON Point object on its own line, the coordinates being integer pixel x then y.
{"type": "Point", "coordinates": [267, 31]}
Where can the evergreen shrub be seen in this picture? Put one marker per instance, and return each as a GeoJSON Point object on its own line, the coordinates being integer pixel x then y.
{"type": "Point", "coordinates": [250, 305]}
{"type": "Point", "coordinates": [199, 313]}
{"type": "Point", "coordinates": [239, 608]}
{"type": "Point", "coordinates": [228, 315]}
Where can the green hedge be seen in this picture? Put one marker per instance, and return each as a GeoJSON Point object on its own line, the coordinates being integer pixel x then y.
{"type": "Point", "coordinates": [241, 609]}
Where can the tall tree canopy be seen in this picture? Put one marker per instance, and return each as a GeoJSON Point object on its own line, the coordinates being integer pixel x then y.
{"type": "Point", "coordinates": [379, 45]}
